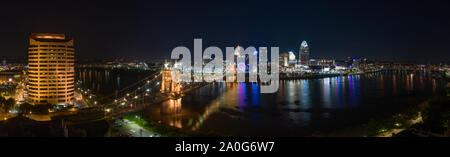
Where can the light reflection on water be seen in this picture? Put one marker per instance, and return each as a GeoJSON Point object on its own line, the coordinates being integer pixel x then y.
{"type": "Point", "coordinates": [107, 81]}
{"type": "Point", "coordinates": [325, 104]}
{"type": "Point", "coordinates": [299, 108]}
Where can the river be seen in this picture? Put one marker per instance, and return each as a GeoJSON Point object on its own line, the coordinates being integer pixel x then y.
{"type": "Point", "coordinates": [299, 108]}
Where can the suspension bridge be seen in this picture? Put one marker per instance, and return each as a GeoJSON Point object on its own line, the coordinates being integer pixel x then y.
{"type": "Point", "coordinates": [152, 89]}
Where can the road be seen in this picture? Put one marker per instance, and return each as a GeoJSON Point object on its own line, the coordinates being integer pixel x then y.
{"type": "Point", "coordinates": [5, 116]}
{"type": "Point", "coordinates": [79, 101]}
{"type": "Point", "coordinates": [134, 130]}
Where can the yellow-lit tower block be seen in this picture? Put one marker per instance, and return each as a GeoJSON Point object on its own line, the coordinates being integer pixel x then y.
{"type": "Point", "coordinates": [51, 69]}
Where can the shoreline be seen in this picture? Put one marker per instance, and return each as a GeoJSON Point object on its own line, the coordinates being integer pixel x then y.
{"type": "Point", "coordinates": [364, 130]}
{"type": "Point", "coordinates": [320, 76]}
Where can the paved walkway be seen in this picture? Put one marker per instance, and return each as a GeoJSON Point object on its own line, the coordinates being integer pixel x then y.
{"type": "Point", "coordinates": [130, 128]}
{"type": "Point", "coordinates": [396, 131]}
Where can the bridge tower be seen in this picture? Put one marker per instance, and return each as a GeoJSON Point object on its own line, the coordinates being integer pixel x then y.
{"type": "Point", "coordinates": [169, 86]}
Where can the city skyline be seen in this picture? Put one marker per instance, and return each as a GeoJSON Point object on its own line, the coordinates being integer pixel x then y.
{"type": "Point", "coordinates": [211, 77]}
{"type": "Point", "coordinates": [398, 31]}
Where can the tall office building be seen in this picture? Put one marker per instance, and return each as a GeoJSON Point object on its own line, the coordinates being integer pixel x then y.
{"type": "Point", "coordinates": [51, 69]}
{"type": "Point", "coordinates": [304, 53]}
{"type": "Point", "coordinates": [284, 60]}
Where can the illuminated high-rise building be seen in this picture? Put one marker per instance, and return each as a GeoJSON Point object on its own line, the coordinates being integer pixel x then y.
{"type": "Point", "coordinates": [51, 69]}
{"type": "Point", "coordinates": [292, 61]}
{"type": "Point", "coordinates": [284, 60]}
{"type": "Point", "coordinates": [304, 53]}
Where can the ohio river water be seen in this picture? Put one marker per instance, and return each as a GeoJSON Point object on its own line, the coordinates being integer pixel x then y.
{"type": "Point", "coordinates": [299, 108]}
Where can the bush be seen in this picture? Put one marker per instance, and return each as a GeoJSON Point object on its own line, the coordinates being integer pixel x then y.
{"type": "Point", "coordinates": [26, 108]}
{"type": "Point", "coordinates": [77, 133]}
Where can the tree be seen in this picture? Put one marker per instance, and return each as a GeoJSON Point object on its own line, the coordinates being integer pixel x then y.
{"type": "Point", "coordinates": [8, 104]}
{"type": "Point", "coordinates": [25, 108]}
{"type": "Point", "coordinates": [2, 101]}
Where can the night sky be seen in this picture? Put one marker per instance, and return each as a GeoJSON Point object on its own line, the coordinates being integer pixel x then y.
{"type": "Point", "coordinates": [400, 30]}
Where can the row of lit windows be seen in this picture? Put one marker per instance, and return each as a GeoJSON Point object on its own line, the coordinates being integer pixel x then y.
{"type": "Point", "coordinates": [47, 49]}
{"type": "Point", "coordinates": [51, 62]}
{"type": "Point", "coordinates": [61, 73]}
{"type": "Point", "coordinates": [50, 77]}
{"type": "Point", "coordinates": [51, 81]}
{"type": "Point", "coordinates": [52, 54]}
{"type": "Point", "coordinates": [59, 89]}
{"type": "Point", "coordinates": [68, 92]}
{"type": "Point", "coordinates": [51, 58]}
{"type": "Point", "coordinates": [47, 84]}
{"type": "Point", "coordinates": [52, 96]}
{"type": "Point", "coordinates": [60, 96]}
{"type": "Point", "coordinates": [45, 101]}
{"type": "Point", "coordinates": [48, 45]}
{"type": "Point", "coordinates": [32, 88]}
{"type": "Point", "coordinates": [69, 50]}
{"type": "Point", "coordinates": [51, 50]}
{"type": "Point", "coordinates": [51, 46]}
{"type": "Point", "coordinates": [46, 69]}
{"type": "Point", "coordinates": [62, 68]}
{"type": "Point", "coordinates": [59, 65]}
{"type": "Point", "coordinates": [32, 92]}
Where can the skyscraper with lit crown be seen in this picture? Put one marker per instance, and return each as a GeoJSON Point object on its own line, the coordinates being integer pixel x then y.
{"type": "Point", "coordinates": [304, 53]}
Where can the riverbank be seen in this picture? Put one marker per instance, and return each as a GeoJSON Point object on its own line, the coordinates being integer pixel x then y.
{"type": "Point", "coordinates": [436, 119]}
{"type": "Point", "coordinates": [163, 130]}
{"type": "Point", "coordinates": [319, 76]}
{"type": "Point", "coordinates": [393, 125]}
